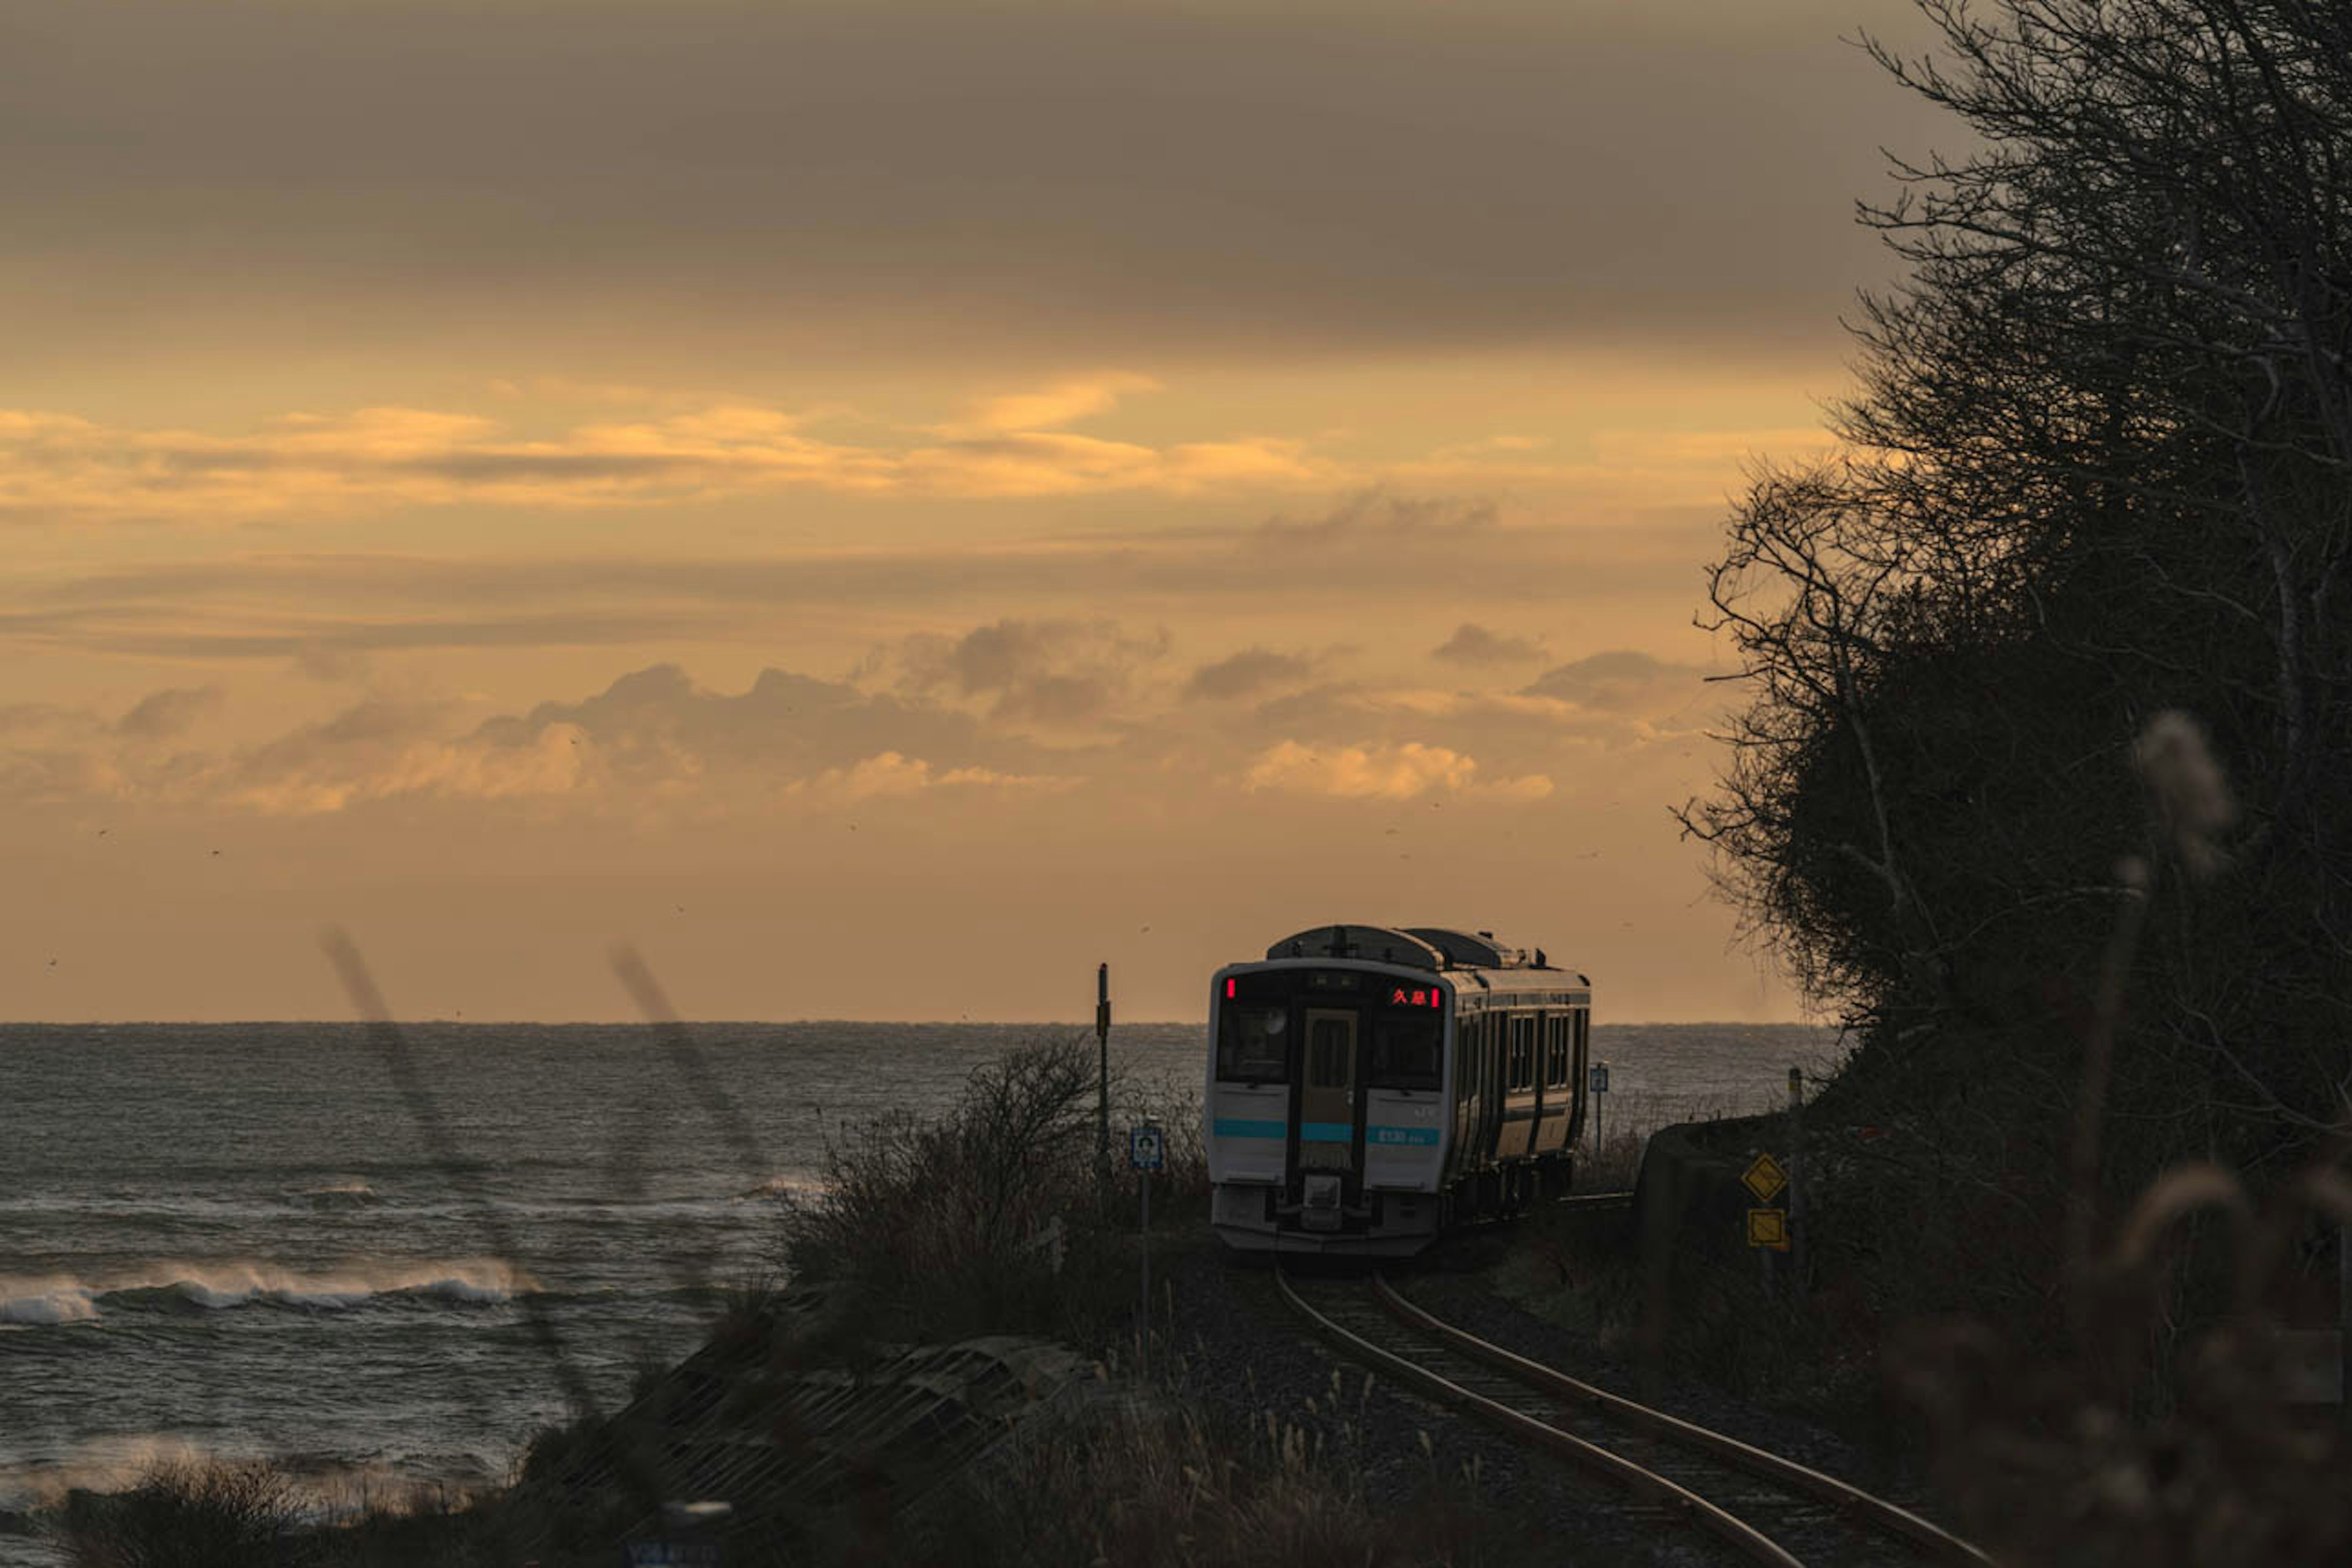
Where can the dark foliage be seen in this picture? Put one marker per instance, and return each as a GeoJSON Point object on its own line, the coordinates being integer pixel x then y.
{"type": "Point", "coordinates": [187, 1515]}
{"type": "Point", "coordinates": [2045, 777]}
{"type": "Point", "coordinates": [990, 1219]}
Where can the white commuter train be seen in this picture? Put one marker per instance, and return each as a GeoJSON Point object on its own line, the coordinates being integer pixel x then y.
{"type": "Point", "coordinates": [1369, 1086]}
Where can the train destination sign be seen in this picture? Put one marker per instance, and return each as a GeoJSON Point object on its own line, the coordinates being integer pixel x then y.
{"type": "Point", "coordinates": [1765, 1178]}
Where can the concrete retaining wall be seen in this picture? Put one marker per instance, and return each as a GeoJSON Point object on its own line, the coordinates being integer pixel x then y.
{"type": "Point", "coordinates": [1690, 1206]}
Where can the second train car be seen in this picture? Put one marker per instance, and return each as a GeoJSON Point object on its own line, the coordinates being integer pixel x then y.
{"type": "Point", "coordinates": [1372, 1087]}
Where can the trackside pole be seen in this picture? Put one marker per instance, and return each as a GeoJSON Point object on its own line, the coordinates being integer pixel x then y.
{"type": "Point", "coordinates": [1143, 1342]}
{"type": "Point", "coordinates": [1796, 1181]}
{"type": "Point", "coordinates": [1102, 1081]}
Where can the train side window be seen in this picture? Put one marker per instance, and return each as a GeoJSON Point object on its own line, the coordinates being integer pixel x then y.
{"type": "Point", "coordinates": [1555, 1052]}
{"type": "Point", "coordinates": [1405, 1051]}
{"type": "Point", "coordinates": [1523, 1055]}
{"type": "Point", "coordinates": [1254, 1044]}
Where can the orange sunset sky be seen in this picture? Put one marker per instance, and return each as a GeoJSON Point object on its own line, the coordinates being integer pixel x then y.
{"type": "Point", "coordinates": [886, 505]}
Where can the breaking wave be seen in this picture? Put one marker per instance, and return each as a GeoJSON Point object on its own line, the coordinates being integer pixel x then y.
{"type": "Point", "coordinates": [785, 1186]}
{"type": "Point", "coordinates": [218, 1287]}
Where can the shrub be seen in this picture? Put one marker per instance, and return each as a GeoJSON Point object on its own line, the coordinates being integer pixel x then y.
{"type": "Point", "coordinates": [187, 1514]}
{"type": "Point", "coordinates": [986, 1219]}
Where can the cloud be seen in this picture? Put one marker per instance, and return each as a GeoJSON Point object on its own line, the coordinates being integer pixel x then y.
{"type": "Point", "coordinates": [1471, 643]}
{"type": "Point", "coordinates": [1378, 513]}
{"type": "Point", "coordinates": [767, 182]}
{"type": "Point", "coordinates": [650, 738]}
{"type": "Point", "coordinates": [889, 776]}
{"type": "Point", "coordinates": [1248, 672]}
{"type": "Point", "coordinates": [315, 772]}
{"type": "Point", "coordinates": [23, 718]}
{"type": "Point", "coordinates": [1379, 772]}
{"type": "Point", "coordinates": [1056, 672]}
{"type": "Point", "coordinates": [160, 715]}
{"type": "Point", "coordinates": [1049, 407]}
{"type": "Point", "coordinates": [1618, 680]}
{"type": "Point", "coordinates": [377, 749]}
{"type": "Point", "coordinates": [317, 605]}
{"type": "Point", "coordinates": [61, 466]}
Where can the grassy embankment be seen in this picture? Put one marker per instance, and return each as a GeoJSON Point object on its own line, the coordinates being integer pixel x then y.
{"type": "Point", "coordinates": [987, 1220]}
{"type": "Point", "coordinates": [2137, 1403]}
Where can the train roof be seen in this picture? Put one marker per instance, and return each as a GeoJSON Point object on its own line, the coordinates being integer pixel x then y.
{"type": "Point", "coordinates": [1415, 947]}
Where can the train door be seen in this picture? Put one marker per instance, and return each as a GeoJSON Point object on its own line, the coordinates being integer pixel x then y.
{"type": "Point", "coordinates": [1519, 1089]}
{"type": "Point", "coordinates": [1327, 1094]}
{"type": "Point", "coordinates": [1465, 1046]}
{"type": "Point", "coordinates": [1577, 1077]}
{"type": "Point", "coordinates": [1490, 1085]}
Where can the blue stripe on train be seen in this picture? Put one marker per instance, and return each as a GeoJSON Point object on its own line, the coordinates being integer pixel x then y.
{"type": "Point", "coordinates": [1323, 1132]}
{"type": "Point", "coordinates": [1231, 1127]}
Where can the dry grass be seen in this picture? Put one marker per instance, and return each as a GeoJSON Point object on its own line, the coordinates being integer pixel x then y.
{"type": "Point", "coordinates": [1156, 1481]}
{"type": "Point", "coordinates": [990, 1218]}
{"type": "Point", "coordinates": [184, 1514]}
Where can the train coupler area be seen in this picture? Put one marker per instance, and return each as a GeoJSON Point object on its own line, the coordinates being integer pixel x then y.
{"type": "Point", "coordinates": [1321, 1204]}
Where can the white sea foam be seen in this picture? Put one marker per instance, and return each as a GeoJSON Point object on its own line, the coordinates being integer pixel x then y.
{"type": "Point", "coordinates": [783, 1186]}
{"type": "Point", "coordinates": [325, 1488]}
{"type": "Point", "coordinates": [220, 1286]}
{"type": "Point", "coordinates": [42, 1302]}
{"type": "Point", "coordinates": [101, 1464]}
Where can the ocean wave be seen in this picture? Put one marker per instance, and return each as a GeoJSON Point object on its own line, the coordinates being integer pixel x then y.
{"type": "Point", "coordinates": [38, 1303]}
{"type": "Point", "coordinates": [785, 1186]}
{"type": "Point", "coordinates": [218, 1287]}
{"type": "Point", "coordinates": [352, 1194]}
{"type": "Point", "coordinates": [325, 1487]}
{"type": "Point", "coordinates": [104, 1464]}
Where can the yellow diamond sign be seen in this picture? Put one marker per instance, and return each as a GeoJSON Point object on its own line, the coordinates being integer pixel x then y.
{"type": "Point", "coordinates": [1765, 1177]}
{"type": "Point", "coordinates": [1769, 1227]}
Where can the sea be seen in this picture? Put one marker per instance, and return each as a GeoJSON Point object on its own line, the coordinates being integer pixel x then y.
{"type": "Point", "coordinates": [321, 1245]}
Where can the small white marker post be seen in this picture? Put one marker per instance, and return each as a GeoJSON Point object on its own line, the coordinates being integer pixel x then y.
{"type": "Point", "coordinates": [1147, 1150]}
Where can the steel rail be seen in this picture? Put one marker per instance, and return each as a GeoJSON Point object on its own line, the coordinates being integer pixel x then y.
{"type": "Point", "coordinates": [1847, 1499]}
{"type": "Point", "coordinates": [1646, 1484]}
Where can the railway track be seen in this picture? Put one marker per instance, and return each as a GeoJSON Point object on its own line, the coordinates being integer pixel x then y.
{"type": "Point", "coordinates": [1766, 1507]}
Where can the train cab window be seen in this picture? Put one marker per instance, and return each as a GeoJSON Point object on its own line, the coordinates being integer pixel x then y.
{"type": "Point", "coordinates": [1405, 1051]}
{"type": "Point", "coordinates": [1331, 1054]}
{"type": "Point", "coordinates": [1555, 1052]}
{"type": "Point", "coordinates": [1254, 1044]}
{"type": "Point", "coordinates": [1523, 1055]}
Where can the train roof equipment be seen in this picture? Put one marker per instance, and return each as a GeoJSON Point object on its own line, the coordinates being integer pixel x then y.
{"type": "Point", "coordinates": [1415, 947]}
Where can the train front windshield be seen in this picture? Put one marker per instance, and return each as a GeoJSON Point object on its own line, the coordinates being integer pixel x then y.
{"type": "Point", "coordinates": [1260, 1020]}
{"type": "Point", "coordinates": [1254, 1043]}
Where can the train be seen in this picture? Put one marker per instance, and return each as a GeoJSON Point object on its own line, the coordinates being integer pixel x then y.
{"type": "Point", "coordinates": [1372, 1087]}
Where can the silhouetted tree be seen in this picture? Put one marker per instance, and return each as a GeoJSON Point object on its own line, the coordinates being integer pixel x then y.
{"type": "Point", "coordinates": [2099, 466]}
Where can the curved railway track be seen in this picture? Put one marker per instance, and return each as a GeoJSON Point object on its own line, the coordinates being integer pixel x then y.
{"type": "Point", "coordinates": [1767, 1508]}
